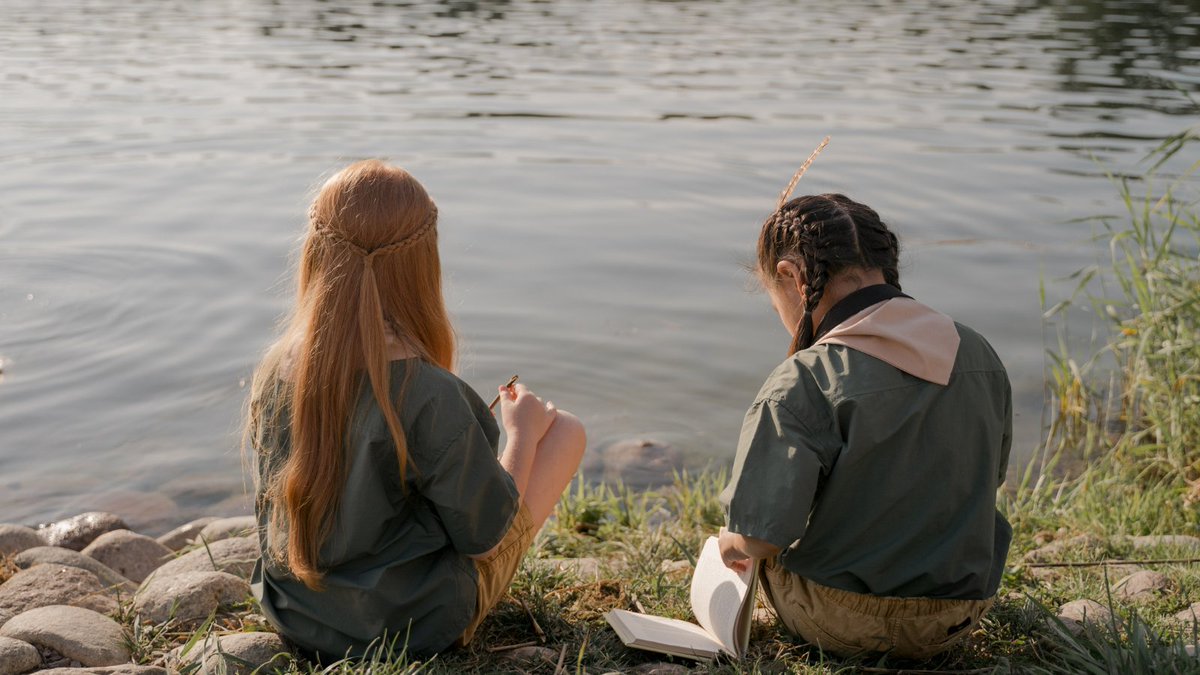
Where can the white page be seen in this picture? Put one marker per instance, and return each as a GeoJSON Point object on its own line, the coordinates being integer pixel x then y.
{"type": "Point", "coordinates": [717, 595]}
{"type": "Point", "coordinates": [680, 636]}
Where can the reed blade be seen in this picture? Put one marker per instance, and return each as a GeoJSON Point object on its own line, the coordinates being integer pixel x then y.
{"type": "Point", "coordinates": [787, 191]}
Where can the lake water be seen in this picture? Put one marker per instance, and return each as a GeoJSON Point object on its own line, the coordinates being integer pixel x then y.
{"type": "Point", "coordinates": [601, 168]}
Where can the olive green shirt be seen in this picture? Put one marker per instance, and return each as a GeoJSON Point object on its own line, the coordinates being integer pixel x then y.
{"type": "Point", "coordinates": [875, 481]}
{"type": "Point", "coordinates": [396, 563]}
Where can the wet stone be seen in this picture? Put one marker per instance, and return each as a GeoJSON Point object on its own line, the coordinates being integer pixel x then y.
{"type": "Point", "coordinates": [236, 556]}
{"type": "Point", "coordinates": [189, 597]}
{"type": "Point", "coordinates": [17, 656]}
{"type": "Point", "coordinates": [225, 528]}
{"type": "Point", "coordinates": [185, 534]}
{"type": "Point", "coordinates": [79, 634]}
{"type": "Point", "coordinates": [17, 538]}
{"type": "Point", "coordinates": [77, 532]}
{"type": "Point", "coordinates": [56, 555]}
{"type": "Point", "coordinates": [130, 554]}
{"type": "Point", "coordinates": [43, 585]}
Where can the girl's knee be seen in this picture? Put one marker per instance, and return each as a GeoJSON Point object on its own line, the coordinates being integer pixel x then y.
{"type": "Point", "coordinates": [569, 431]}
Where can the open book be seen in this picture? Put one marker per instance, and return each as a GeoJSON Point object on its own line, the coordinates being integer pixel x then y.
{"type": "Point", "coordinates": [723, 602]}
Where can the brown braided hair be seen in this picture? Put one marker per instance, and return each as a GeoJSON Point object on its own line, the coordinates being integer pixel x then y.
{"type": "Point", "coordinates": [823, 235]}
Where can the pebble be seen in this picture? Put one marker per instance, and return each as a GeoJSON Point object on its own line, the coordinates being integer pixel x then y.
{"type": "Point", "coordinates": [43, 585]}
{"type": "Point", "coordinates": [1142, 585]}
{"type": "Point", "coordinates": [130, 554]}
{"type": "Point", "coordinates": [236, 556]}
{"type": "Point", "coordinates": [184, 534]}
{"type": "Point", "coordinates": [56, 555]}
{"type": "Point", "coordinates": [242, 654]}
{"type": "Point", "coordinates": [17, 538]}
{"type": "Point", "coordinates": [17, 656]}
{"type": "Point", "coordinates": [189, 597]}
{"type": "Point", "coordinates": [79, 634]}
{"type": "Point", "coordinates": [225, 528]}
{"type": "Point", "coordinates": [1079, 613]}
{"type": "Point", "coordinates": [77, 532]}
{"type": "Point", "coordinates": [532, 654]}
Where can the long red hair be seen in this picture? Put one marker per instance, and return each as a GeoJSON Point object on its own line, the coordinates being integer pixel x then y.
{"type": "Point", "coordinates": [368, 268]}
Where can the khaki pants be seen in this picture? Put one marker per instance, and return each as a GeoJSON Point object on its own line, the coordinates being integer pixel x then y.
{"type": "Point", "coordinates": [496, 571]}
{"type": "Point", "coordinates": [846, 624]}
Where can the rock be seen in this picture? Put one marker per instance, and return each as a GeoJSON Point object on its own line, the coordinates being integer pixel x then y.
{"type": "Point", "coordinates": [532, 655]}
{"type": "Point", "coordinates": [224, 528]}
{"type": "Point", "coordinates": [660, 668]}
{"type": "Point", "coordinates": [57, 555]}
{"type": "Point", "coordinates": [236, 556]}
{"type": "Point", "coordinates": [17, 538]}
{"type": "Point", "coordinates": [636, 463]}
{"type": "Point", "coordinates": [673, 567]}
{"type": "Point", "coordinates": [184, 534]}
{"type": "Point", "coordinates": [242, 654]}
{"type": "Point", "coordinates": [1053, 552]}
{"type": "Point", "coordinates": [130, 554]}
{"type": "Point", "coordinates": [76, 533]}
{"type": "Point", "coordinates": [1077, 614]}
{"type": "Point", "coordinates": [79, 634]}
{"type": "Point", "coordinates": [1182, 541]}
{"type": "Point", "coordinates": [43, 585]}
{"type": "Point", "coordinates": [1141, 585]}
{"type": "Point", "coordinates": [189, 597]}
{"type": "Point", "coordinates": [1190, 649]}
{"type": "Point", "coordinates": [124, 669]}
{"type": "Point", "coordinates": [143, 511]}
{"type": "Point", "coordinates": [584, 568]}
{"type": "Point", "coordinates": [1190, 615]}
{"type": "Point", "coordinates": [17, 656]}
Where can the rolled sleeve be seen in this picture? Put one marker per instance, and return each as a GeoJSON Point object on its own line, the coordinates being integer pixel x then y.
{"type": "Point", "coordinates": [776, 473]}
{"type": "Point", "coordinates": [471, 493]}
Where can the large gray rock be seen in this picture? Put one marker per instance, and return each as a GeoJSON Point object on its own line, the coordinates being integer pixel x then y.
{"type": "Point", "coordinates": [17, 656]}
{"type": "Point", "coordinates": [189, 597]}
{"type": "Point", "coordinates": [79, 531]}
{"type": "Point", "coordinates": [57, 555]}
{"type": "Point", "coordinates": [79, 634]}
{"type": "Point", "coordinates": [132, 555]}
{"type": "Point", "coordinates": [242, 654]}
{"type": "Point", "coordinates": [1078, 614]}
{"type": "Point", "coordinates": [236, 556]}
{"type": "Point", "coordinates": [225, 528]}
{"type": "Point", "coordinates": [43, 585]}
{"type": "Point", "coordinates": [17, 538]}
{"type": "Point", "coordinates": [1142, 585]}
{"type": "Point", "coordinates": [185, 534]}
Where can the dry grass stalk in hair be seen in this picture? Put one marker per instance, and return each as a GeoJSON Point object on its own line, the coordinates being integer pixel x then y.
{"type": "Point", "coordinates": [787, 191]}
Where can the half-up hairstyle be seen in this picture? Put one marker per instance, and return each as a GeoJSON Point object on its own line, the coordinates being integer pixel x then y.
{"type": "Point", "coordinates": [823, 235]}
{"type": "Point", "coordinates": [368, 269]}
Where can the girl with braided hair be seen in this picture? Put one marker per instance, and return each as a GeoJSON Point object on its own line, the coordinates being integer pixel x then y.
{"type": "Point", "coordinates": [385, 517]}
{"type": "Point", "coordinates": [866, 472]}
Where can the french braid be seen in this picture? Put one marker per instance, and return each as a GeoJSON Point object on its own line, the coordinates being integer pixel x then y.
{"type": "Point", "coordinates": [823, 235]}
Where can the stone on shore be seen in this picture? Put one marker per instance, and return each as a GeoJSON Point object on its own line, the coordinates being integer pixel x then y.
{"type": "Point", "coordinates": [236, 556]}
{"type": "Point", "coordinates": [1181, 541]}
{"type": "Point", "coordinates": [130, 554]}
{"type": "Point", "coordinates": [43, 585]}
{"type": "Point", "coordinates": [185, 534]}
{"type": "Point", "coordinates": [226, 528]}
{"type": "Point", "coordinates": [1053, 552]}
{"type": "Point", "coordinates": [189, 597]}
{"type": "Point", "coordinates": [79, 634]}
{"type": "Point", "coordinates": [1142, 585]}
{"type": "Point", "coordinates": [123, 669]}
{"type": "Point", "coordinates": [77, 532]}
{"type": "Point", "coordinates": [17, 538]}
{"type": "Point", "coordinates": [634, 462]}
{"type": "Point", "coordinates": [1078, 614]}
{"type": "Point", "coordinates": [142, 511]}
{"type": "Point", "coordinates": [1190, 615]}
{"type": "Point", "coordinates": [17, 656]}
{"type": "Point", "coordinates": [57, 555]}
{"type": "Point", "coordinates": [241, 654]}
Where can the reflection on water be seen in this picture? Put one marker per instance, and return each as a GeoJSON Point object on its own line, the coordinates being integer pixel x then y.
{"type": "Point", "coordinates": [601, 168]}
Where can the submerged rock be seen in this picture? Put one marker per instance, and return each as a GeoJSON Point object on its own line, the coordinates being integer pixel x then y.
{"type": "Point", "coordinates": [637, 463]}
{"type": "Point", "coordinates": [79, 634]}
{"type": "Point", "coordinates": [44, 585]}
{"type": "Point", "coordinates": [189, 597]}
{"type": "Point", "coordinates": [185, 534]}
{"type": "Point", "coordinates": [17, 538]}
{"type": "Point", "coordinates": [57, 555]}
{"type": "Point", "coordinates": [77, 532]}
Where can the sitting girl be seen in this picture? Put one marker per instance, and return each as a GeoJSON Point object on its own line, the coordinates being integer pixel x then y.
{"type": "Point", "coordinates": [384, 514]}
{"type": "Point", "coordinates": [867, 468]}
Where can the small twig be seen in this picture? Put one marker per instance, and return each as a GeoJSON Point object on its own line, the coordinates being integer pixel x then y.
{"type": "Point", "coordinates": [536, 628]}
{"type": "Point", "coordinates": [511, 381]}
{"type": "Point", "coordinates": [509, 648]}
{"type": "Point", "coordinates": [1098, 563]}
{"type": "Point", "coordinates": [562, 656]}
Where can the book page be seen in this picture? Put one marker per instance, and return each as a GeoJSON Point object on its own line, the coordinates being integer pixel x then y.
{"type": "Point", "coordinates": [660, 634]}
{"type": "Point", "coordinates": [718, 596]}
